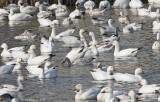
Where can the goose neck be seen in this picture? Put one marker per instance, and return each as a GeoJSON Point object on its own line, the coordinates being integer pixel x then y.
{"type": "Point", "coordinates": [117, 48]}
{"type": "Point", "coordinates": [19, 83]}
{"type": "Point", "coordinates": [53, 34]}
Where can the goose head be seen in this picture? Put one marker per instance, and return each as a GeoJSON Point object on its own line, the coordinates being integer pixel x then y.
{"type": "Point", "coordinates": [107, 90]}
{"type": "Point", "coordinates": [110, 21]}
{"type": "Point", "coordinates": [51, 39]}
{"type": "Point", "coordinates": [158, 36]}
{"type": "Point", "coordinates": [48, 63]}
{"type": "Point", "coordinates": [111, 69]}
{"type": "Point", "coordinates": [20, 2]}
{"type": "Point", "coordinates": [68, 60]}
{"type": "Point", "coordinates": [19, 60]}
{"type": "Point", "coordinates": [54, 22]}
{"type": "Point", "coordinates": [4, 46]}
{"type": "Point", "coordinates": [78, 88]}
{"type": "Point", "coordinates": [139, 71]}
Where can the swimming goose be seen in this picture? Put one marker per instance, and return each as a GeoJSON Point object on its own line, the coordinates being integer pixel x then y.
{"type": "Point", "coordinates": [154, 2]}
{"type": "Point", "coordinates": [35, 60]}
{"type": "Point", "coordinates": [76, 14]}
{"type": "Point", "coordinates": [144, 11]}
{"type": "Point", "coordinates": [10, 88]}
{"type": "Point", "coordinates": [68, 32]}
{"type": "Point", "coordinates": [148, 89]}
{"type": "Point", "coordinates": [88, 94]}
{"type": "Point", "coordinates": [98, 20]}
{"type": "Point", "coordinates": [122, 19]}
{"type": "Point", "coordinates": [47, 45]}
{"type": "Point", "coordinates": [97, 11]}
{"type": "Point", "coordinates": [121, 3]}
{"type": "Point", "coordinates": [67, 21]}
{"type": "Point", "coordinates": [104, 4]}
{"type": "Point", "coordinates": [27, 35]}
{"type": "Point", "coordinates": [108, 29]}
{"type": "Point", "coordinates": [129, 77]}
{"type": "Point", "coordinates": [136, 4]}
{"type": "Point", "coordinates": [48, 73]}
{"type": "Point", "coordinates": [45, 22]}
{"type": "Point", "coordinates": [103, 75]}
{"type": "Point", "coordinates": [18, 65]}
{"type": "Point", "coordinates": [18, 16]}
{"type": "Point", "coordinates": [128, 28]}
{"type": "Point", "coordinates": [156, 44]}
{"type": "Point", "coordinates": [104, 93]}
{"type": "Point", "coordinates": [3, 14]}
{"type": "Point", "coordinates": [63, 11]}
{"type": "Point", "coordinates": [130, 52]}
{"type": "Point", "coordinates": [88, 4]}
{"type": "Point", "coordinates": [7, 69]}
{"type": "Point", "coordinates": [31, 10]}
{"type": "Point", "coordinates": [8, 52]}
{"type": "Point", "coordinates": [154, 14]}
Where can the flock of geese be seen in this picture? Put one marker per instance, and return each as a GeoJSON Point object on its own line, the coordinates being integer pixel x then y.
{"type": "Point", "coordinates": [85, 53]}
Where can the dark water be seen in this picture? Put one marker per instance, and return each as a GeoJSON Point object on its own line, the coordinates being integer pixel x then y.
{"type": "Point", "coordinates": [60, 88]}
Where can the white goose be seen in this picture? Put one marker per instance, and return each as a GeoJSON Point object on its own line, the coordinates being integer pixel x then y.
{"type": "Point", "coordinates": [48, 73]}
{"type": "Point", "coordinates": [45, 22]}
{"type": "Point", "coordinates": [18, 16]}
{"type": "Point", "coordinates": [3, 14]}
{"type": "Point", "coordinates": [122, 19]}
{"type": "Point", "coordinates": [88, 4]}
{"type": "Point", "coordinates": [8, 52]}
{"type": "Point", "coordinates": [154, 14]}
{"type": "Point", "coordinates": [67, 21]}
{"type": "Point", "coordinates": [104, 4]}
{"type": "Point", "coordinates": [156, 44]}
{"type": "Point", "coordinates": [80, 3]}
{"type": "Point", "coordinates": [97, 11]}
{"type": "Point", "coordinates": [27, 35]}
{"type": "Point", "coordinates": [75, 14]}
{"type": "Point", "coordinates": [103, 75]}
{"type": "Point", "coordinates": [144, 11]}
{"type": "Point", "coordinates": [100, 67]}
{"type": "Point", "coordinates": [47, 45]}
{"type": "Point", "coordinates": [7, 69]}
{"type": "Point", "coordinates": [130, 52]}
{"type": "Point", "coordinates": [148, 89]}
{"type": "Point", "coordinates": [104, 93]}
{"type": "Point", "coordinates": [136, 4]}
{"type": "Point", "coordinates": [108, 29]}
{"type": "Point", "coordinates": [154, 2]}
{"type": "Point", "coordinates": [121, 3]}
{"type": "Point", "coordinates": [36, 60]}
{"type": "Point", "coordinates": [12, 88]}
{"type": "Point", "coordinates": [31, 10]}
{"type": "Point", "coordinates": [129, 77]}
{"type": "Point", "coordinates": [89, 94]}
{"type": "Point", "coordinates": [97, 20]}
{"type": "Point", "coordinates": [18, 65]}
{"type": "Point", "coordinates": [63, 11]}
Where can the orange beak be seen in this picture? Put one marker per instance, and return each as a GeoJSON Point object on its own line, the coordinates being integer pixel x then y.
{"type": "Point", "coordinates": [87, 32]}
{"type": "Point", "coordinates": [143, 72]}
{"type": "Point", "coordinates": [114, 69]}
{"type": "Point", "coordinates": [74, 89]}
{"type": "Point", "coordinates": [39, 66]}
{"type": "Point", "coordinates": [103, 91]}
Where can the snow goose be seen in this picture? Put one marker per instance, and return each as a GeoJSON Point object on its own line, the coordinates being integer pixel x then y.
{"type": "Point", "coordinates": [97, 11]}
{"type": "Point", "coordinates": [103, 75]}
{"type": "Point", "coordinates": [154, 2]}
{"type": "Point", "coordinates": [122, 19]}
{"type": "Point", "coordinates": [130, 52]}
{"type": "Point", "coordinates": [67, 21]}
{"type": "Point", "coordinates": [3, 14]}
{"type": "Point", "coordinates": [18, 65]}
{"type": "Point", "coordinates": [31, 10]}
{"type": "Point", "coordinates": [48, 73]}
{"type": "Point", "coordinates": [18, 16]}
{"type": "Point", "coordinates": [129, 77]}
{"type": "Point", "coordinates": [10, 88]}
{"type": "Point", "coordinates": [100, 67]}
{"type": "Point", "coordinates": [45, 22]}
{"type": "Point", "coordinates": [47, 45]}
{"type": "Point", "coordinates": [104, 4]}
{"type": "Point", "coordinates": [35, 60]}
{"type": "Point", "coordinates": [68, 32]}
{"type": "Point", "coordinates": [27, 35]}
{"type": "Point", "coordinates": [128, 29]}
{"type": "Point", "coordinates": [121, 3]}
{"type": "Point", "coordinates": [75, 14]}
{"type": "Point", "coordinates": [144, 11]}
{"type": "Point", "coordinates": [88, 94]}
{"type": "Point", "coordinates": [156, 44]}
{"type": "Point", "coordinates": [108, 29]}
{"type": "Point", "coordinates": [8, 52]}
{"type": "Point", "coordinates": [148, 89]}
{"type": "Point", "coordinates": [63, 11]}
{"type": "Point", "coordinates": [80, 3]}
{"type": "Point", "coordinates": [154, 14]}
{"type": "Point", "coordinates": [104, 93]}
{"type": "Point", "coordinates": [97, 20]}
{"type": "Point", "coordinates": [88, 4]}
{"type": "Point", "coordinates": [136, 4]}
{"type": "Point", "coordinates": [7, 69]}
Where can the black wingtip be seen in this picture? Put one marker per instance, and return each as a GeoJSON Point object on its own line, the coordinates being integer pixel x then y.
{"type": "Point", "coordinates": [139, 48]}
